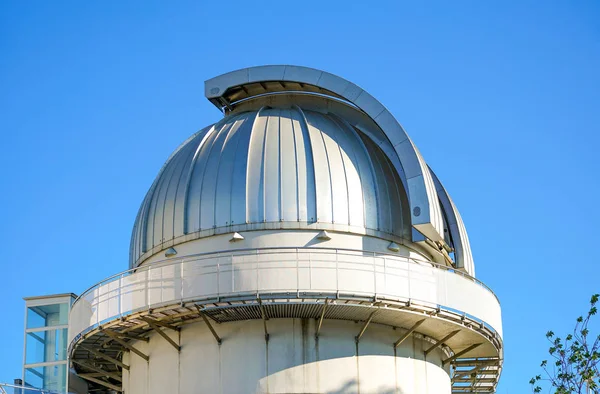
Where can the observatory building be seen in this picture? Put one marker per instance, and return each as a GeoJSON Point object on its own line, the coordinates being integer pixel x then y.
{"type": "Point", "coordinates": [301, 244]}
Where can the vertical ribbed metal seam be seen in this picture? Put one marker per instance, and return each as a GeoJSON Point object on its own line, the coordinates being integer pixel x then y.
{"type": "Point", "coordinates": [376, 161]}
{"type": "Point", "coordinates": [280, 171]}
{"type": "Point", "coordinates": [248, 119]}
{"type": "Point", "coordinates": [154, 202]}
{"type": "Point", "coordinates": [296, 167]}
{"type": "Point", "coordinates": [146, 216]}
{"type": "Point", "coordinates": [189, 177]}
{"type": "Point", "coordinates": [330, 174]}
{"type": "Point", "coordinates": [142, 221]}
{"type": "Point", "coordinates": [230, 134]}
{"type": "Point", "coordinates": [225, 128]}
{"type": "Point", "coordinates": [373, 176]}
{"type": "Point", "coordinates": [309, 161]}
{"type": "Point", "coordinates": [264, 173]}
{"type": "Point", "coordinates": [178, 165]}
{"type": "Point", "coordinates": [190, 161]}
{"type": "Point", "coordinates": [142, 228]}
{"type": "Point", "coordinates": [338, 137]}
{"type": "Point", "coordinates": [135, 241]}
{"type": "Point", "coordinates": [338, 122]}
{"type": "Point", "coordinates": [252, 131]}
{"type": "Point", "coordinates": [395, 185]}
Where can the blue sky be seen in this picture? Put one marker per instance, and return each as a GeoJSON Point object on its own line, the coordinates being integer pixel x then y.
{"type": "Point", "coordinates": [501, 97]}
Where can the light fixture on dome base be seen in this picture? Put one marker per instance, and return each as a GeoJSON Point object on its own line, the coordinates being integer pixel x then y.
{"type": "Point", "coordinates": [170, 252]}
{"type": "Point", "coordinates": [323, 236]}
{"type": "Point", "coordinates": [236, 237]}
{"type": "Point", "coordinates": [394, 247]}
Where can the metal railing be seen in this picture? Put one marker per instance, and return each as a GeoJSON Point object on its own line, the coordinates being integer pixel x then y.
{"type": "Point", "coordinates": [6, 388]}
{"type": "Point", "coordinates": [240, 252]}
{"type": "Point", "coordinates": [282, 270]}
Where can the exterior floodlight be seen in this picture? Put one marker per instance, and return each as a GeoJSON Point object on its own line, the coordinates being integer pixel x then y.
{"type": "Point", "coordinates": [236, 237]}
{"type": "Point", "coordinates": [170, 252]}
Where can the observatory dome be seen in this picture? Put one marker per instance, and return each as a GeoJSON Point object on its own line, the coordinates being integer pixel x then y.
{"type": "Point", "coordinates": [272, 168]}
{"type": "Point", "coordinates": [307, 225]}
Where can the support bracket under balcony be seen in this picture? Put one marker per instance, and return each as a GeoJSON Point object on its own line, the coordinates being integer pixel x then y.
{"type": "Point", "coordinates": [115, 337]}
{"type": "Point", "coordinates": [264, 318]}
{"type": "Point", "coordinates": [108, 374]}
{"type": "Point", "coordinates": [457, 355]}
{"type": "Point", "coordinates": [364, 328]}
{"type": "Point", "coordinates": [156, 327]}
{"type": "Point", "coordinates": [100, 382]}
{"type": "Point", "coordinates": [321, 318]}
{"type": "Point", "coordinates": [441, 341]}
{"type": "Point", "coordinates": [408, 333]}
{"type": "Point", "coordinates": [210, 327]}
{"type": "Point", "coordinates": [106, 357]}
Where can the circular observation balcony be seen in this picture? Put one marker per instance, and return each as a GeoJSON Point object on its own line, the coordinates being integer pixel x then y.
{"type": "Point", "coordinates": [443, 306]}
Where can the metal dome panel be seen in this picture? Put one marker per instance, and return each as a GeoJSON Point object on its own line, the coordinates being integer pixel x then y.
{"type": "Point", "coordinates": [286, 166]}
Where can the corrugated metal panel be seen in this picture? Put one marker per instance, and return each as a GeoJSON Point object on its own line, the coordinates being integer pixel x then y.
{"type": "Point", "coordinates": [255, 173]}
{"type": "Point", "coordinates": [288, 169]}
{"type": "Point", "coordinates": [361, 163]}
{"type": "Point", "coordinates": [322, 170]}
{"type": "Point", "coordinates": [273, 165]}
{"type": "Point", "coordinates": [194, 181]}
{"type": "Point", "coordinates": [272, 153]}
{"type": "Point", "coordinates": [305, 170]}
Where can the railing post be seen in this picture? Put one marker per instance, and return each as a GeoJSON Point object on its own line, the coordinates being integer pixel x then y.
{"type": "Point", "coordinates": [337, 272]}
{"type": "Point", "coordinates": [310, 270]}
{"type": "Point", "coordinates": [374, 275]}
{"type": "Point", "coordinates": [120, 295]}
{"type": "Point", "coordinates": [146, 285]}
{"type": "Point", "coordinates": [257, 261]}
{"type": "Point", "coordinates": [408, 276]}
{"type": "Point", "coordinates": [181, 281]}
{"type": "Point", "coordinates": [232, 273]}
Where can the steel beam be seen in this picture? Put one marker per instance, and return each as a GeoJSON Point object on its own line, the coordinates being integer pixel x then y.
{"type": "Point", "coordinates": [126, 345]}
{"type": "Point", "coordinates": [364, 328]}
{"type": "Point", "coordinates": [161, 333]}
{"type": "Point", "coordinates": [457, 355]}
{"type": "Point", "coordinates": [321, 318]}
{"type": "Point", "coordinates": [108, 374]}
{"type": "Point", "coordinates": [439, 343]}
{"type": "Point", "coordinates": [264, 318]}
{"type": "Point", "coordinates": [101, 382]}
{"type": "Point", "coordinates": [106, 357]}
{"type": "Point", "coordinates": [408, 333]}
{"type": "Point", "coordinates": [210, 327]}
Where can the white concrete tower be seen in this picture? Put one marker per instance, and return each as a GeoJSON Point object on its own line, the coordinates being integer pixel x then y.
{"type": "Point", "coordinates": [299, 245]}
